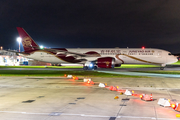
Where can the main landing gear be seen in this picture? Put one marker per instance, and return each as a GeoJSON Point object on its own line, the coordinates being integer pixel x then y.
{"type": "Point", "coordinates": [56, 64]}
{"type": "Point", "coordinates": [90, 65]}
{"type": "Point", "coordinates": [85, 68]}
{"type": "Point", "coordinates": [89, 68]}
{"type": "Point", "coordinates": [162, 68]}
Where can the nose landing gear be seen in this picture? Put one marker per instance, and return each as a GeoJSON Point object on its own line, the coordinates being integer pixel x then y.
{"type": "Point", "coordinates": [162, 66]}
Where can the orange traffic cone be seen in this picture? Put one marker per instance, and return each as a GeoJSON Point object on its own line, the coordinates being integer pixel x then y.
{"type": "Point", "coordinates": [146, 97]}
{"type": "Point", "coordinates": [151, 98]}
{"type": "Point", "coordinates": [75, 78]}
{"type": "Point", "coordinates": [113, 88]}
{"type": "Point", "coordinates": [177, 107]}
{"type": "Point", "coordinates": [90, 82]}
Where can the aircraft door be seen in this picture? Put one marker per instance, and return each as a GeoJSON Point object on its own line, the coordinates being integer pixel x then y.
{"type": "Point", "coordinates": [161, 57]}
{"type": "Point", "coordinates": [42, 56]}
{"type": "Point", "coordinates": [124, 53]}
{"type": "Point", "coordinates": [159, 53]}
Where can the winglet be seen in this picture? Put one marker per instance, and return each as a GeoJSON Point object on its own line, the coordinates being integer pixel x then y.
{"type": "Point", "coordinates": [28, 43]}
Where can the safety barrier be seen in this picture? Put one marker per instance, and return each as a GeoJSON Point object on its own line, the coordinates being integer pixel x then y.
{"type": "Point", "coordinates": [127, 92]}
{"type": "Point", "coordinates": [164, 102]}
{"type": "Point", "coordinates": [87, 79]}
{"type": "Point", "coordinates": [69, 76]}
{"type": "Point", "coordinates": [102, 85]}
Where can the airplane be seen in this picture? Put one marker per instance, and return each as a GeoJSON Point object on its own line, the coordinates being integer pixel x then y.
{"type": "Point", "coordinates": [93, 58]}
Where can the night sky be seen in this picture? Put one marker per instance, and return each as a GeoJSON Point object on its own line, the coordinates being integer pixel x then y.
{"type": "Point", "coordinates": [93, 23]}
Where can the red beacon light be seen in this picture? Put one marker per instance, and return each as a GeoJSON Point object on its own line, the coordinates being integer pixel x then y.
{"type": "Point", "coordinates": [88, 82]}
{"type": "Point", "coordinates": [143, 47]}
{"type": "Point", "coordinates": [173, 106]}
{"type": "Point", "coordinates": [141, 96]}
{"type": "Point", "coordinates": [74, 77]}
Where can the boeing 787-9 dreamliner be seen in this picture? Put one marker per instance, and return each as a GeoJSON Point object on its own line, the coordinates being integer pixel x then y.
{"type": "Point", "coordinates": [93, 58]}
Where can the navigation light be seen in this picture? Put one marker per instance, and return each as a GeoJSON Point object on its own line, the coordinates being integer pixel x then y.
{"type": "Point", "coordinates": [41, 47]}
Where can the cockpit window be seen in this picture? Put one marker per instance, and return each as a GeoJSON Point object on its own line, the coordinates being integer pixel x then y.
{"type": "Point", "coordinates": [169, 54]}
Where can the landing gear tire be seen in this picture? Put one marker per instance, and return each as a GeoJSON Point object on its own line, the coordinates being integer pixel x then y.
{"type": "Point", "coordinates": [85, 68]}
{"type": "Point", "coordinates": [161, 68]}
{"type": "Point", "coordinates": [95, 67]}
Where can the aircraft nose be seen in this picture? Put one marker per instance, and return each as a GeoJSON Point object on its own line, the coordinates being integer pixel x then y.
{"type": "Point", "coordinates": [176, 59]}
{"type": "Point", "coordinates": [171, 59]}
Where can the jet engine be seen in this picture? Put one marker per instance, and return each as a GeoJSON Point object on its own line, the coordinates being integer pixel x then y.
{"type": "Point", "coordinates": [106, 62]}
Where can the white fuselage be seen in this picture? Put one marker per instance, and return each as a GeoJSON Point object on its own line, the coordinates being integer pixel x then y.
{"type": "Point", "coordinates": [121, 55]}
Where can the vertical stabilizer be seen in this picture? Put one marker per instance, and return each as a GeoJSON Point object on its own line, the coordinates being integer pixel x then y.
{"type": "Point", "coordinates": [27, 42]}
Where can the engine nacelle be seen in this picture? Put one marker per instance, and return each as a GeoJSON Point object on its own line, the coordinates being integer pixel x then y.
{"type": "Point", "coordinates": [105, 62]}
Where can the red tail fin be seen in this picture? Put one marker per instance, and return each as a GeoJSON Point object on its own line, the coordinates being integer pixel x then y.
{"type": "Point", "coordinates": [27, 41]}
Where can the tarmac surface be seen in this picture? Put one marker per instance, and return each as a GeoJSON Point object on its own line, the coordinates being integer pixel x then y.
{"type": "Point", "coordinates": [59, 98]}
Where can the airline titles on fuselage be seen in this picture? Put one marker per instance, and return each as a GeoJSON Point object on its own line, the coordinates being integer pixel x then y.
{"type": "Point", "coordinates": [140, 52]}
{"type": "Point", "coordinates": [130, 52]}
{"type": "Point", "coordinates": [110, 52]}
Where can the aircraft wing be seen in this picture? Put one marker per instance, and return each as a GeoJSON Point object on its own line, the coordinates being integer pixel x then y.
{"type": "Point", "coordinates": [71, 53]}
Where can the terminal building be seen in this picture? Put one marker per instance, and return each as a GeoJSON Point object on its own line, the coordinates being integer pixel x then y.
{"type": "Point", "coordinates": [13, 59]}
